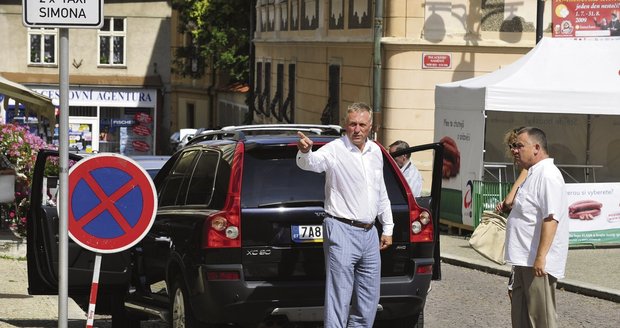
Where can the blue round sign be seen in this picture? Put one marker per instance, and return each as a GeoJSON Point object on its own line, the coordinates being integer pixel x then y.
{"type": "Point", "coordinates": [112, 203]}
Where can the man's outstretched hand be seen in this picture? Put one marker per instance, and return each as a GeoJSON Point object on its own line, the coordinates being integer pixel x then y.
{"type": "Point", "coordinates": [304, 144]}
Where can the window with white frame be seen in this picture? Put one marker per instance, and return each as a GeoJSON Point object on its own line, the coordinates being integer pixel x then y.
{"type": "Point", "coordinates": [42, 45]}
{"type": "Point", "coordinates": [112, 38]}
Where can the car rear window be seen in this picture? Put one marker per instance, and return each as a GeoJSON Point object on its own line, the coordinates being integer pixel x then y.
{"type": "Point", "coordinates": [271, 178]}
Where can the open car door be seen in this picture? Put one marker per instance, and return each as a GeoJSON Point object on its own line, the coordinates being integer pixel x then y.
{"type": "Point", "coordinates": [42, 245]}
{"type": "Point", "coordinates": [430, 198]}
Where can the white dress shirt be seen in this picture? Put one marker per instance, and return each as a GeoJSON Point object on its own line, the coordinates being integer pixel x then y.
{"type": "Point", "coordinates": [542, 194]}
{"type": "Point", "coordinates": [354, 185]}
{"type": "Point", "coordinates": [414, 178]}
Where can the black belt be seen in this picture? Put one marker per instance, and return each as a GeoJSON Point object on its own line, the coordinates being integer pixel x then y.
{"type": "Point", "coordinates": [354, 223]}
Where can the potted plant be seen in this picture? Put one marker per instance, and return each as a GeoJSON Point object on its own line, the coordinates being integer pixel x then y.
{"type": "Point", "coordinates": [19, 149]}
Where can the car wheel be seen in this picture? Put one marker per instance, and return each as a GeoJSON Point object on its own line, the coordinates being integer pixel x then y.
{"type": "Point", "coordinates": [413, 321]}
{"type": "Point", "coordinates": [181, 315]}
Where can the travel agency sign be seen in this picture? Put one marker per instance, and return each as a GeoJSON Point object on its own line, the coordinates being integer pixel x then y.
{"type": "Point", "coordinates": [63, 13]}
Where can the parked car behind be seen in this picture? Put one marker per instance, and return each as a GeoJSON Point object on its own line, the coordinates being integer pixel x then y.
{"type": "Point", "coordinates": [238, 238]}
{"type": "Point", "coordinates": [180, 138]}
{"type": "Point", "coordinates": [151, 163]}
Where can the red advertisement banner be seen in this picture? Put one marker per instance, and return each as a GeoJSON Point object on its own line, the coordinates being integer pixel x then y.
{"type": "Point", "coordinates": [594, 18]}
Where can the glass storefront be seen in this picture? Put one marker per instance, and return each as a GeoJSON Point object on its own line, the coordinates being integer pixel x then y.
{"type": "Point", "coordinates": [129, 131]}
{"type": "Point", "coordinates": [110, 119]}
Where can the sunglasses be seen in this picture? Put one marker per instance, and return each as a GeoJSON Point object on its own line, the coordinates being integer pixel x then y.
{"type": "Point", "coordinates": [516, 145]}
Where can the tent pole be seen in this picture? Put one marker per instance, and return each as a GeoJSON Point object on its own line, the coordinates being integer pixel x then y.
{"type": "Point", "coordinates": [588, 131]}
{"type": "Point", "coordinates": [540, 13]}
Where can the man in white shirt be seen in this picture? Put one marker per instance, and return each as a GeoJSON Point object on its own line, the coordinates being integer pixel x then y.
{"type": "Point", "coordinates": [410, 172]}
{"type": "Point", "coordinates": [536, 233]}
{"type": "Point", "coordinates": [355, 194]}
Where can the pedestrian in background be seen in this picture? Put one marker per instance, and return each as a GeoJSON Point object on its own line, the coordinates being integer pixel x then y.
{"type": "Point", "coordinates": [536, 233]}
{"type": "Point", "coordinates": [355, 194]}
{"type": "Point", "coordinates": [410, 172]}
{"type": "Point", "coordinates": [510, 140]}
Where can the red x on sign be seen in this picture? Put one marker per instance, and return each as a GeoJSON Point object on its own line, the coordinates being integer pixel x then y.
{"type": "Point", "coordinates": [112, 203]}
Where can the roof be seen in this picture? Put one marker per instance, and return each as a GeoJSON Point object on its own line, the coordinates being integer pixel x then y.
{"type": "Point", "coordinates": [38, 103]}
{"type": "Point", "coordinates": [566, 76]}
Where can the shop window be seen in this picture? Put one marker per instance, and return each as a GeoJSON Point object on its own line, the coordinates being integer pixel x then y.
{"type": "Point", "coordinates": [129, 131]}
{"type": "Point", "coordinates": [83, 111]}
{"type": "Point", "coordinates": [42, 44]}
{"type": "Point", "coordinates": [112, 37]}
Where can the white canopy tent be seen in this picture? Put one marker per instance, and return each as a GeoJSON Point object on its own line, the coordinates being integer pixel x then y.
{"type": "Point", "coordinates": [569, 88]}
{"type": "Point", "coordinates": [33, 101]}
{"type": "Point", "coordinates": [563, 76]}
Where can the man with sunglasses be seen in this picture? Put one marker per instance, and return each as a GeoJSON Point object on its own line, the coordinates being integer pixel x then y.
{"type": "Point", "coordinates": [536, 233]}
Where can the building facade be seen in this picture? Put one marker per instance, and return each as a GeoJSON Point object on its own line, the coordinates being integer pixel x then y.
{"type": "Point", "coordinates": [124, 96]}
{"type": "Point", "coordinates": [314, 57]}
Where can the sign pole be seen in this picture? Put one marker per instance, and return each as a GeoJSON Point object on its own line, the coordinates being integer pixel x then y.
{"type": "Point", "coordinates": [63, 15]}
{"type": "Point", "coordinates": [63, 208]}
{"type": "Point", "coordinates": [94, 288]}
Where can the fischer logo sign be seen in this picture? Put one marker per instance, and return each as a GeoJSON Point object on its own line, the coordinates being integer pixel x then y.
{"type": "Point", "coordinates": [63, 13]}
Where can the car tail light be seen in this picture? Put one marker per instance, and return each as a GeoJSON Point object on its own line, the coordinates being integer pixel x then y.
{"type": "Point", "coordinates": [223, 229]}
{"type": "Point", "coordinates": [421, 227]}
{"type": "Point", "coordinates": [223, 275]}
{"type": "Point", "coordinates": [425, 269]}
{"type": "Point", "coordinates": [420, 220]}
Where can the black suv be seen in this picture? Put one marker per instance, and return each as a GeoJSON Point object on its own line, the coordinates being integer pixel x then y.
{"type": "Point", "coordinates": [237, 238]}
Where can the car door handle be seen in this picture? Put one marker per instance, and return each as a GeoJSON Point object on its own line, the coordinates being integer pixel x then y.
{"type": "Point", "coordinates": [163, 239]}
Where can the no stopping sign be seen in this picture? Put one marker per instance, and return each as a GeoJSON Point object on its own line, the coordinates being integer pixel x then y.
{"type": "Point", "coordinates": [112, 203]}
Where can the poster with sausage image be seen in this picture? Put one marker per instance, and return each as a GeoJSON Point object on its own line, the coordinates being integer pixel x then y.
{"type": "Point", "coordinates": [594, 212]}
{"type": "Point", "coordinates": [461, 134]}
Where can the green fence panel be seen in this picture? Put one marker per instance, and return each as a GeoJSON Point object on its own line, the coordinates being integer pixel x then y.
{"type": "Point", "coordinates": [450, 207]}
{"type": "Point", "coordinates": [486, 195]}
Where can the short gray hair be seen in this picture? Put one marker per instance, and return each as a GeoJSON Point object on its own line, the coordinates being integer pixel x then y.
{"type": "Point", "coordinates": [359, 107]}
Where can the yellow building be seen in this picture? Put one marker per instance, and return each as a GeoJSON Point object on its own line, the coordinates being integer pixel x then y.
{"type": "Point", "coordinates": [124, 94]}
{"type": "Point", "coordinates": [314, 57]}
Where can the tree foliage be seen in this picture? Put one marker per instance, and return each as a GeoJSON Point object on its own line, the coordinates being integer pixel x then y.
{"type": "Point", "coordinates": [220, 32]}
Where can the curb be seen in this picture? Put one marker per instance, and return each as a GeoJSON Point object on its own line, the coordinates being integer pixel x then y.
{"type": "Point", "coordinates": [13, 248]}
{"type": "Point", "coordinates": [564, 284]}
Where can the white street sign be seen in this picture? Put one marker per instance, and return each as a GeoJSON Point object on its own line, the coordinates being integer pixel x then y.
{"type": "Point", "coordinates": [63, 13]}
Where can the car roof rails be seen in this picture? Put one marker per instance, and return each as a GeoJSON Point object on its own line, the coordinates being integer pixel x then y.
{"type": "Point", "coordinates": [287, 128]}
{"type": "Point", "coordinates": [239, 132]}
{"type": "Point", "coordinates": [216, 135]}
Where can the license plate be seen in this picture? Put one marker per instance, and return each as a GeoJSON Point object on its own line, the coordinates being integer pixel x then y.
{"type": "Point", "coordinates": [307, 233]}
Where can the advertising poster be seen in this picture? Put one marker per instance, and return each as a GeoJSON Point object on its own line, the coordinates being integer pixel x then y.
{"type": "Point", "coordinates": [594, 18]}
{"type": "Point", "coordinates": [594, 212]}
{"type": "Point", "coordinates": [461, 132]}
{"type": "Point", "coordinates": [137, 138]}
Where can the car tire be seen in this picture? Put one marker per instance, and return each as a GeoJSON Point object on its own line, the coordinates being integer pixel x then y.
{"type": "Point", "coordinates": [121, 318]}
{"type": "Point", "coordinates": [181, 315]}
{"type": "Point", "coordinates": [413, 321]}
